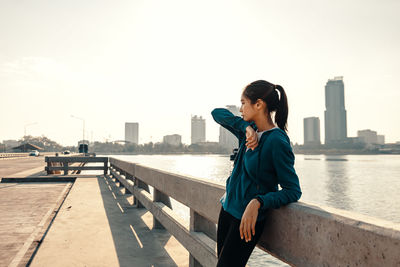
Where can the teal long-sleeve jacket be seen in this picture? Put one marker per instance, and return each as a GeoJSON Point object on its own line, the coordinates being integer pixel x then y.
{"type": "Point", "coordinates": [257, 173]}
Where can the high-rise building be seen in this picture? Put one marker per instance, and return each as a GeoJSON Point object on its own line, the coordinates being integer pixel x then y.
{"type": "Point", "coordinates": [198, 129]}
{"type": "Point", "coordinates": [226, 138]}
{"type": "Point", "coordinates": [335, 113]}
{"type": "Point", "coordinates": [132, 132]}
{"type": "Point", "coordinates": [173, 139]}
{"type": "Point", "coordinates": [312, 131]}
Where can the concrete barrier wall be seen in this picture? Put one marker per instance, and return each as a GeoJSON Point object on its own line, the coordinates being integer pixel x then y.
{"type": "Point", "coordinates": [299, 234]}
{"type": "Point", "coordinates": [308, 235]}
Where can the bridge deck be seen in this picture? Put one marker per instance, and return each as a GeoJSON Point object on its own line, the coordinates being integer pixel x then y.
{"type": "Point", "coordinates": [98, 226]}
{"type": "Point", "coordinates": [26, 210]}
{"type": "Point", "coordinates": [22, 166]}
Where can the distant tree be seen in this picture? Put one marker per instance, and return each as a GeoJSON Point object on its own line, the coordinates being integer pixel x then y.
{"type": "Point", "coordinates": [43, 142]}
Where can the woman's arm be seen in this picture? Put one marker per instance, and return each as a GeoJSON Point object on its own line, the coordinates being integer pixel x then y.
{"type": "Point", "coordinates": [232, 123]}
{"type": "Point", "coordinates": [283, 161]}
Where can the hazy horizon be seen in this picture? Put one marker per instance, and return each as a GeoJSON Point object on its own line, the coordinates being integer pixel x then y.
{"type": "Point", "coordinates": [157, 63]}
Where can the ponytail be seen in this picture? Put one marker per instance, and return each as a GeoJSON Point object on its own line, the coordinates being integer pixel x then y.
{"type": "Point", "coordinates": [282, 109]}
{"type": "Point", "coordinates": [275, 98]}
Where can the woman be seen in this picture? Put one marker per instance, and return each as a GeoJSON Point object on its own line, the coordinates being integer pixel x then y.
{"type": "Point", "coordinates": [265, 159]}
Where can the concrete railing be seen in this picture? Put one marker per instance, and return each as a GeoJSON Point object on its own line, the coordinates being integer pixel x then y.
{"type": "Point", "coordinates": [67, 161]}
{"type": "Point", "coordinates": [299, 234]}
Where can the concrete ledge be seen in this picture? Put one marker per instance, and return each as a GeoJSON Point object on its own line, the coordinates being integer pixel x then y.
{"type": "Point", "coordinates": [75, 168]}
{"type": "Point", "coordinates": [73, 158]}
{"type": "Point", "coordinates": [308, 235]}
{"type": "Point", "coordinates": [126, 166]}
{"type": "Point", "coordinates": [201, 196]}
{"type": "Point", "coordinates": [300, 234]}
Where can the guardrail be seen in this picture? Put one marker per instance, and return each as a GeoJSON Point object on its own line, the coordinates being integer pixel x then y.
{"type": "Point", "coordinates": [66, 162]}
{"type": "Point", "coordinates": [13, 155]}
{"type": "Point", "coordinates": [298, 234]}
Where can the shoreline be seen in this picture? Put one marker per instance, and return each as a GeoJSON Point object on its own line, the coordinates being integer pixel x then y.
{"type": "Point", "coordinates": [338, 153]}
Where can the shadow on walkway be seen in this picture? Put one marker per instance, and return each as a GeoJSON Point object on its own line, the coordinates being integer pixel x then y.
{"type": "Point", "coordinates": [136, 242]}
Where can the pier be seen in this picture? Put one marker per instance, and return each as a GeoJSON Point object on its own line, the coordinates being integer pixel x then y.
{"type": "Point", "coordinates": [122, 216]}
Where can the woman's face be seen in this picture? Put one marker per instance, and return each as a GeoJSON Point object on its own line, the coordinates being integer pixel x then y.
{"type": "Point", "coordinates": [247, 109]}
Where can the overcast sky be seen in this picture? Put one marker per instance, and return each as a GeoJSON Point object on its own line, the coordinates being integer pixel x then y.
{"type": "Point", "coordinates": [158, 62]}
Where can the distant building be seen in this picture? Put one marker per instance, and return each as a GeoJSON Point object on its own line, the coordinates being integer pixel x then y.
{"type": "Point", "coordinates": [381, 139]}
{"type": "Point", "coordinates": [173, 139]}
{"type": "Point", "coordinates": [11, 143]}
{"type": "Point", "coordinates": [26, 147]}
{"type": "Point", "coordinates": [335, 113]}
{"type": "Point", "coordinates": [210, 147]}
{"type": "Point", "coordinates": [198, 133]}
{"type": "Point", "coordinates": [368, 136]}
{"type": "Point", "coordinates": [132, 132]}
{"type": "Point", "coordinates": [226, 138]}
{"type": "Point", "coordinates": [312, 131]}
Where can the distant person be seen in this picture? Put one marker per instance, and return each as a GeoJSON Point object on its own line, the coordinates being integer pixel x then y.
{"type": "Point", "coordinates": [265, 159]}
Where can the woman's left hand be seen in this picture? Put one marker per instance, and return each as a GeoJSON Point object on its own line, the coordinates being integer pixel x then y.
{"type": "Point", "coordinates": [248, 223]}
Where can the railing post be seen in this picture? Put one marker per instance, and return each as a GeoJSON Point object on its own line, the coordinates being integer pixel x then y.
{"type": "Point", "coordinates": [144, 186]}
{"type": "Point", "coordinates": [129, 177]}
{"type": "Point", "coordinates": [105, 167]}
{"type": "Point", "coordinates": [48, 165]}
{"type": "Point", "coordinates": [160, 197]}
{"type": "Point", "coordinates": [135, 183]}
{"type": "Point", "coordinates": [122, 173]}
{"type": "Point", "coordinates": [200, 224]}
{"type": "Point", "coordinates": [65, 164]}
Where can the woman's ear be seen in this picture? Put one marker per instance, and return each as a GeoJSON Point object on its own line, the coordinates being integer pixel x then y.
{"type": "Point", "coordinates": [260, 104]}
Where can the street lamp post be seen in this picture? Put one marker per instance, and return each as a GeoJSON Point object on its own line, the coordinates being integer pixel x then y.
{"type": "Point", "coordinates": [83, 131]}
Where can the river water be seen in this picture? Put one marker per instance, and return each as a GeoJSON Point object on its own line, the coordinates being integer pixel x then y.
{"type": "Point", "coordinates": [366, 184]}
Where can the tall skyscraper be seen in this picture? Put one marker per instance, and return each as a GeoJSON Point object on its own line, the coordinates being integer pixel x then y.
{"type": "Point", "coordinates": [312, 131]}
{"type": "Point", "coordinates": [132, 132]}
{"type": "Point", "coordinates": [335, 113]}
{"type": "Point", "coordinates": [198, 129]}
{"type": "Point", "coordinates": [226, 138]}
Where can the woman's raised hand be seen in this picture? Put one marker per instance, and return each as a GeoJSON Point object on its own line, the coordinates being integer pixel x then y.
{"type": "Point", "coordinates": [251, 138]}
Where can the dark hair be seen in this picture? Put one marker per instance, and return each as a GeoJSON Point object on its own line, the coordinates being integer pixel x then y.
{"type": "Point", "coordinates": [266, 92]}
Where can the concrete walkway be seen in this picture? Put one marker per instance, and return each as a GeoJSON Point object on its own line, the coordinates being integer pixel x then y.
{"type": "Point", "coordinates": [98, 226]}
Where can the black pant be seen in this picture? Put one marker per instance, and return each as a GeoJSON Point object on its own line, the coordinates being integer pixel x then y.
{"type": "Point", "coordinates": [233, 251]}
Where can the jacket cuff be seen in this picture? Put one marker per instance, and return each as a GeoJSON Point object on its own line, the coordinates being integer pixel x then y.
{"type": "Point", "coordinates": [261, 201]}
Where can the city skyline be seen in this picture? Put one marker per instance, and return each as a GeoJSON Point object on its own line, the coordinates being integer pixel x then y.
{"type": "Point", "coordinates": [157, 63]}
{"type": "Point", "coordinates": [331, 98]}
